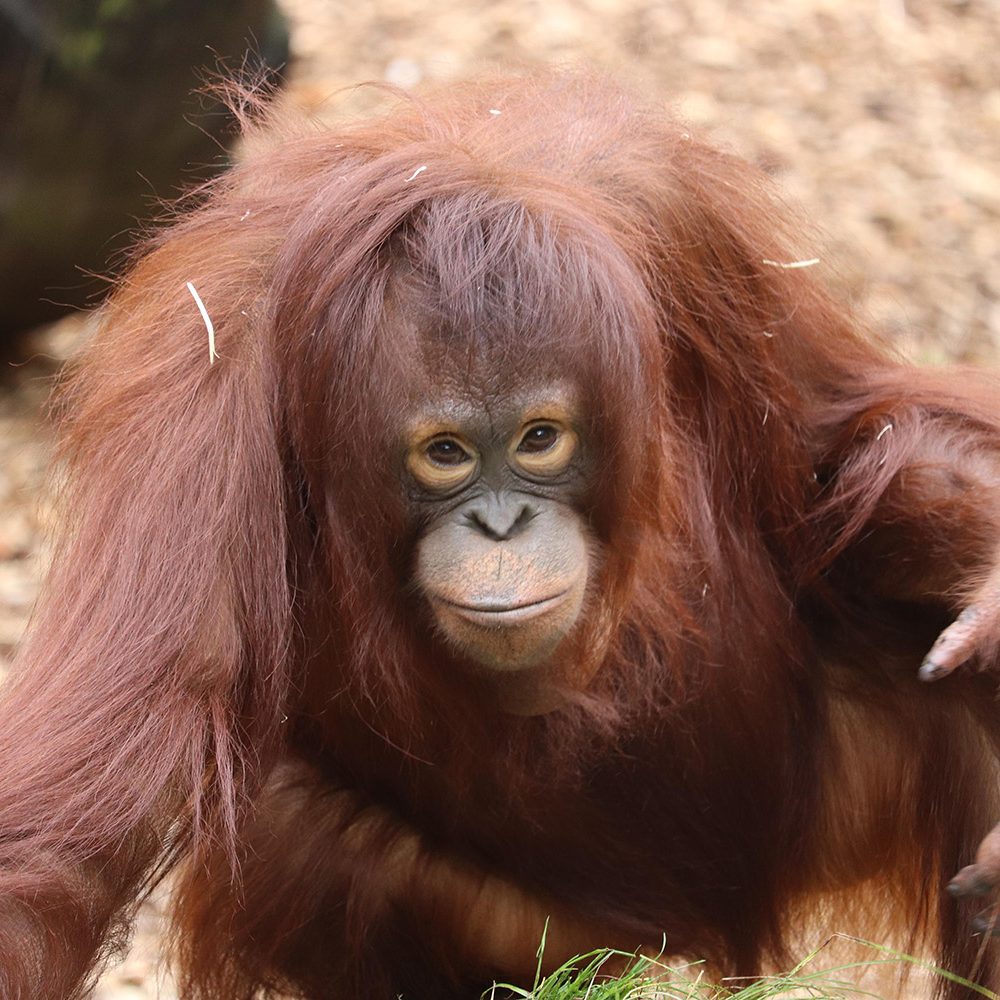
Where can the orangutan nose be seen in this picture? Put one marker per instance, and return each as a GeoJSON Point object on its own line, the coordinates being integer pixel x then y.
{"type": "Point", "coordinates": [500, 518]}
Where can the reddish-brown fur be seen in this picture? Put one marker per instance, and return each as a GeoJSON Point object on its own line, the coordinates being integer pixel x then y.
{"type": "Point", "coordinates": [229, 672]}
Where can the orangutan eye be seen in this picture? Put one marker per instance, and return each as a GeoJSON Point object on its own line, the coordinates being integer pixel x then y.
{"type": "Point", "coordinates": [447, 452]}
{"type": "Point", "coordinates": [538, 438]}
{"type": "Point", "coordinates": [543, 448]}
{"type": "Point", "coordinates": [442, 463]}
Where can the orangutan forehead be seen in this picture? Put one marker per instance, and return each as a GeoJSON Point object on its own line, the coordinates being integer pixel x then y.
{"type": "Point", "coordinates": [478, 365]}
{"type": "Point", "coordinates": [488, 364]}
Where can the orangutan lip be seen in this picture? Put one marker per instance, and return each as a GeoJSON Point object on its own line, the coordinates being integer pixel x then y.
{"type": "Point", "coordinates": [495, 616]}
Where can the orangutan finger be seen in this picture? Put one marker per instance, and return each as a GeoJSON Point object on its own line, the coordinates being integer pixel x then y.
{"type": "Point", "coordinates": [953, 646]}
{"type": "Point", "coordinates": [987, 922]}
{"type": "Point", "coordinates": [983, 875]}
{"type": "Point", "coordinates": [971, 881]}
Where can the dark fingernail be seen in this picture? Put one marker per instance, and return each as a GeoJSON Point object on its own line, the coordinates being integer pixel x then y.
{"type": "Point", "coordinates": [986, 925]}
{"type": "Point", "coordinates": [930, 671]}
{"type": "Point", "coordinates": [969, 882]}
{"type": "Point", "coordinates": [961, 890]}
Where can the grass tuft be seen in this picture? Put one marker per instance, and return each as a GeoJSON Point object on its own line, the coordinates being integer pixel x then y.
{"type": "Point", "coordinates": [614, 975]}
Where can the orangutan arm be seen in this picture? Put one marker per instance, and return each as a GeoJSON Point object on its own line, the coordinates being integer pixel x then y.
{"type": "Point", "coordinates": [324, 868]}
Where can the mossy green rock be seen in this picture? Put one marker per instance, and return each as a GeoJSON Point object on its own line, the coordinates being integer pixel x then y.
{"type": "Point", "coordinates": [99, 121]}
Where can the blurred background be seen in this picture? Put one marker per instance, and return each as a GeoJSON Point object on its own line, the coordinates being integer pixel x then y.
{"type": "Point", "coordinates": [880, 117]}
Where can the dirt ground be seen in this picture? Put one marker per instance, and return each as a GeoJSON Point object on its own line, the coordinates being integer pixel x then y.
{"type": "Point", "coordinates": [881, 117]}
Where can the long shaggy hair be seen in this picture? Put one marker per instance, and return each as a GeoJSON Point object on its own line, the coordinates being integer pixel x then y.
{"type": "Point", "coordinates": [231, 585]}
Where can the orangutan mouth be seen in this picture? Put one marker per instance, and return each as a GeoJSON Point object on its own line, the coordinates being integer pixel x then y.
{"type": "Point", "coordinates": [493, 614]}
